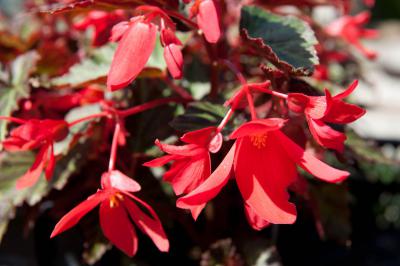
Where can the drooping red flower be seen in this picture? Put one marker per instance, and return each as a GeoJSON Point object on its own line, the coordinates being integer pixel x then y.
{"type": "Point", "coordinates": [37, 134]}
{"type": "Point", "coordinates": [350, 29]}
{"type": "Point", "coordinates": [137, 40]}
{"type": "Point", "coordinates": [191, 163]}
{"type": "Point", "coordinates": [118, 207]}
{"type": "Point", "coordinates": [320, 110]}
{"type": "Point", "coordinates": [206, 12]}
{"type": "Point", "coordinates": [172, 53]}
{"type": "Point", "coordinates": [264, 165]}
{"type": "Point", "coordinates": [101, 22]}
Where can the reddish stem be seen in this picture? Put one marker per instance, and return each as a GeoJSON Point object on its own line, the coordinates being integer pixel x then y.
{"type": "Point", "coordinates": [149, 105]}
{"type": "Point", "coordinates": [184, 19]}
{"type": "Point", "coordinates": [13, 119]}
{"type": "Point", "coordinates": [114, 147]}
{"type": "Point", "coordinates": [251, 104]}
{"type": "Point", "coordinates": [83, 119]}
{"type": "Point", "coordinates": [178, 89]}
{"type": "Point", "coordinates": [235, 70]}
{"type": "Point", "coordinates": [224, 121]}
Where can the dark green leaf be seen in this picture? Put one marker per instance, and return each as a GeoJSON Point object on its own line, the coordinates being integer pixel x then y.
{"type": "Point", "coordinates": [199, 115]}
{"type": "Point", "coordinates": [285, 41]}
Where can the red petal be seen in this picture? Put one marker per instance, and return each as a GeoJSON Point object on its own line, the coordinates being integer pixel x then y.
{"type": "Point", "coordinates": [297, 102]}
{"type": "Point", "coordinates": [255, 221]}
{"type": "Point", "coordinates": [189, 175]}
{"type": "Point", "coordinates": [256, 127]}
{"type": "Point", "coordinates": [74, 215]}
{"type": "Point", "coordinates": [117, 227]}
{"type": "Point", "coordinates": [160, 161]}
{"type": "Point", "coordinates": [168, 37]}
{"type": "Point", "coordinates": [200, 137]}
{"type": "Point", "coordinates": [51, 163]}
{"type": "Point", "coordinates": [196, 199]}
{"type": "Point", "coordinates": [33, 174]}
{"type": "Point", "coordinates": [132, 54]}
{"type": "Point", "coordinates": [263, 176]}
{"type": "Point", "coordinates": [119, 30]}
{"type": "Point", "coordinates": [317, 106]}
{"type": "Point", "coordinates": [216, 143]}
{"type": "Point", "coordinates": [174, 59]}
{"type": "Point", "coordinates": [343, 113]}
{"type": "Point", "coordinates": [308, 162]}
{"type": "Point", "coordinates": [183, 150]}
{"type": "Point", "coordinates": [208, 20]}
{"type": "Point", "coordinates": [325, 135]}
{"type": "Point", "coordinates": [151, 226]}
{"type": "Point", "coordinates": [347, 92]}
{"type": "Point", "coordinates": [116, 179]}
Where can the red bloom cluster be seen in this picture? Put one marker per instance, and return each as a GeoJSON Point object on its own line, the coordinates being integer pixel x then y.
{"type": "Point", "coordinates": [37, 134]}
{"type": "Point", "coordinates": [263, 159]}
{"type": "Point", "coordinates": [137, 39]}
{"type": "Point", "coordinates": [350, 29]}
{"type": "Point", "coordinates": [320, 110]}
{"type": "Point", "coordinates": [117, 209]}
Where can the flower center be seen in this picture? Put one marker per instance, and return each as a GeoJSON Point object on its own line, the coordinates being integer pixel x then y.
{"type": "Point", "coordinates": [260, 140]}
{"type": "Point", "coordinates": [115, 199]}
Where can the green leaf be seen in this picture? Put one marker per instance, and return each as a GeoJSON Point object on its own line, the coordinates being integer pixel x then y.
{"type": "Point", "coordinates": [17, 86]}
{"type": "Point", "coordinates": [93, 68]}
{"type": "Point", "coordinates": [285, 41]}
{"type": "Point", "coordinates": [199, 115]}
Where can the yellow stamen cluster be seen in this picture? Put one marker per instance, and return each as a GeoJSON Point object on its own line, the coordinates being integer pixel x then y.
{"type": "Point", "coordinates": [115, 198]}
{"type": "Point", "coordinates": [260, 141]}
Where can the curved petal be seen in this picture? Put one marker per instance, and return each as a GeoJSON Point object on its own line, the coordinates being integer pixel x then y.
{"type": "Point", "coordinates": [132, 54]}
{"type": "Point", "coordinates": [174, 59]}
{"type": "Point", "coordinates": [200, 137]}
{"type": "Point", "coordinates": [255, 221]}
{"type": "Point", "coordinates": [151, 226]}
{"type": "Point", "coordinates": [183, 150]}
{"type": "Point", "coordinates": [74, 215]}
{"type": "Point", "coordinates": [159, 161]}
{"type": "Point", "coordinates": [325, 135]}
{"type": "Point", "coordinates": [118, 31]}
{"type": "Point", "coordinates": [343, 113]}
{"type": "Point", "coordinates": [256, 127]}
{"type": "Point", "coordinates": [51, 162]}
{"type": "Point", "coordinates": [347, 92]}
{"type": "Point", "coordinates": [116, 179]}
{"type": "Point", "coordinates": [117, 227]}
{"type": "Point", "coordinates": [196, 200]}
{"type": "Point", "coordinates": [308, 162]}
{"type": "Point", "coordinates": [190, 174]}
{"type": "Point", "coordinates": [208, 20]}
{"type": "Point", "coordinates": [263, 176]}
{"type": "Point", "coordinates": [33, 174]}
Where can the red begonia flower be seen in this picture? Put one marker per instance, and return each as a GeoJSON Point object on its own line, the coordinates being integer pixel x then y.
{"type": "Point", "coordinates": [320, 110]}
{"type": "Point", "coordinates": [101, 22]}
{"type": "Point", "coordinates": [351, 30]}
{"type": "Point", "coordinates": [37, 134]}
{"type": "Point", "coordinates": [117, 210]}
{"type": "Point", "coordinates": [136, 43]}
{"type": "Point", "coordinates": [191, 163]}
{"type": "Point", "coordinates": [172, 53]}
{"type": "Point", "coordinates": [264, 164]}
